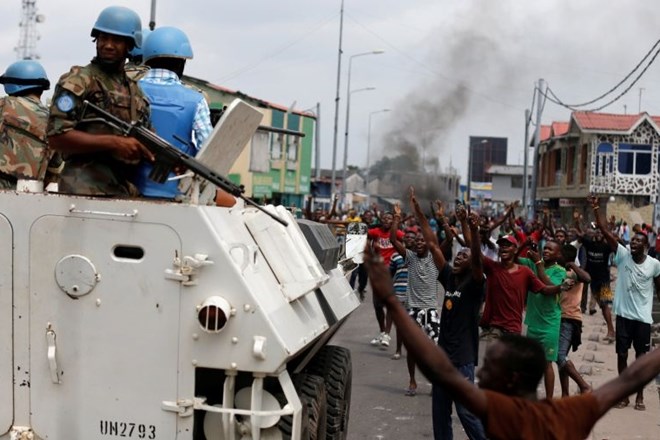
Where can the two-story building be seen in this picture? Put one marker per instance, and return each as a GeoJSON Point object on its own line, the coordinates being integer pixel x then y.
{"type": "Point", "coordinates": [273, 166]}
{"type": "Point", "coordinates": [614, 156]}
{"type": "Point", "coordinates": [507, 183]}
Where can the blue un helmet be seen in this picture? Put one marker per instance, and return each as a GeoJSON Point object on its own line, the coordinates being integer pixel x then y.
{"type": "Point", "coordinates": [24, 75]}
{"type": "Point", "coordinates": [118, 20]}
{"type": "Point", "coordinates": [137, 52]}
{"type": "Point", "coordinates": [167, 42]}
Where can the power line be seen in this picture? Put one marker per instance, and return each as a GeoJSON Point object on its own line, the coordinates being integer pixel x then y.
{"type": "Point", "coordinates": [552, 96]}
{"type": "Point", "coordinates": [319, 25]}
{"type": "Point", "coordinates": [584, 104]}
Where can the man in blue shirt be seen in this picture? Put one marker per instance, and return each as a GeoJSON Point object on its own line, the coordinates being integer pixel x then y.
{"type": "Point", "coordinates": [177, 111]}
{"type": "Point", "coordinates": [633, 297]}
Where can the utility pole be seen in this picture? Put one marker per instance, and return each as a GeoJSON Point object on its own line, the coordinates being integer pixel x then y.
{"type": "Point", "coordinates": [27, 41]}
{"type": "Point", "coordinates": [525, 202]}
{"type": "Point", "coordinates": [336, 129]}
{"type": "Point", "coordinates": [317, 141]}
{"type": "Point", "coordinates": [639, 108]}
{"type": "Point", "coordinates": [540, 98]}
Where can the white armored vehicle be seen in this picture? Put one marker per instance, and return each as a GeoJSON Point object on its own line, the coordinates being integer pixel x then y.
{"type": "Point", "coordinates": [154, 320]}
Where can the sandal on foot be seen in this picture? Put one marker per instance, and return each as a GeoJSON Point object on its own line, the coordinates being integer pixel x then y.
{"type": "Point", "coordinates": [639, 406]}
{"type": "Point", "coordinates": [396, 356]}
{"type": "Point", "coordinates": [622, 404]}
{"type": "Point", "coordinates": [411, 392]}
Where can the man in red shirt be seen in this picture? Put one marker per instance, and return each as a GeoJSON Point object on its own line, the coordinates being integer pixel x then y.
{"type": "Point", "coordinates": [507, 287]}
{"type": "Point", "coordinates": [381, 236]}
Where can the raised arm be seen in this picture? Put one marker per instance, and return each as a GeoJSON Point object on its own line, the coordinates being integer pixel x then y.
{"type": "Point", "coordinates": [500, 221]}
{"type": "Point", "coordinates": [577, 222]}
{"type": "Point", "coordinates": [581, 274]}
{"type": "Point", "coordinates": [394, 239]}
{"type": "Point", "coordinates": [547, 223]}
{"type": "Point", "coordinates": [427, 232]}
{"type": "Point", "coordinates": [431, 359]}
{"type": "Point", "coordinates": [333, 210]}
{"type": "Point", "coordinates": [476, 260]}
{"type": "Point", "coordinates": [442, 223]}
{"type": "Point", "coordinates": [461, 215]}
{"type": "Point", "coordinates": [600, 223]}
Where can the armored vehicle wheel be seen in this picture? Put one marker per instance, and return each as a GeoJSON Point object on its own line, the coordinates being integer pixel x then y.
{"type": "Point", "coordinates": [313, 397]}
{"type": "Point", "coordinates": [333, 364]}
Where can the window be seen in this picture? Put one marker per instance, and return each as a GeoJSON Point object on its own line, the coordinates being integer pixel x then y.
{"type": "Point", "coordinates": [604, 159]}
{"type": "Point", "coordinates": [260, 152]}
{"type": "Point", "coordinates": [570, 165]}
{"type": "Point", "coordinates": [276, 141]}
{"type": "Point", "coordinates": [516, 181]}
{"type": "Point", "coordinates": [292, 148]}
{"type": "Point", "coordinates": [634, 159]}
{"type": "Point", "coordinates": [584, 164]}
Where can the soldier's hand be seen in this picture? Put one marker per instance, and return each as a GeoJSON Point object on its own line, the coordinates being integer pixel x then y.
{"type": "Point", "coordinates": [130, 150]}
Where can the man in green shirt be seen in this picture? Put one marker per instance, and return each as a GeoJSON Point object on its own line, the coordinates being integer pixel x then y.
{"type": "Point", "coordinates": [543, 318]}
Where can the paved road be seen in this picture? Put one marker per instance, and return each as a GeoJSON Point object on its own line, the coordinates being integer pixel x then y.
{"type": "Point", "coordinates": [379, 409]}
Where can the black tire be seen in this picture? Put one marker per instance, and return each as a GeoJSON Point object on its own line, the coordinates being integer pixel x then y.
{"type": "Point", "coordinates": [333, 364]}
{"type": "Point", "coordinates": [312, 394]}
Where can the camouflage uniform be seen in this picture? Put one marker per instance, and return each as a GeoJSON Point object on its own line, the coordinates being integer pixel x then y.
{"type": "Point", "coordinates": [136, 71]}
{"type": "Point", "coordinates": [97, 173]}
{"type": "Point", "coordinates": [23, 145]}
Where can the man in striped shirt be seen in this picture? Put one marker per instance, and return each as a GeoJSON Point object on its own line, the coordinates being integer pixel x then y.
{"type": "Point", "coordinates": [423, 285]}
{"type": "Point", "coordinates": [399, 272]}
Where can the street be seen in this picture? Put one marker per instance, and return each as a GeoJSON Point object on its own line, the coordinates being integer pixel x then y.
{"type": "Point", "coordinates": [380, 410]}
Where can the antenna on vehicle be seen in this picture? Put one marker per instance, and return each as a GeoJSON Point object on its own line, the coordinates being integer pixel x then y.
{"type": "Point", "coordinates": [152, 18]}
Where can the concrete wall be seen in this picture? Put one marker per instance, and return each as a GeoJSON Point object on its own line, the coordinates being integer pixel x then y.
{"type": "Point", "coordinates": [503, 191]}
{"type": "Point", "coordinates": [623, 210]}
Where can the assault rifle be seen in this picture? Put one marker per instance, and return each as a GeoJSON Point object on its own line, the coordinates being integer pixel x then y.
{"type": "Point", "coordinates": [168, 157]}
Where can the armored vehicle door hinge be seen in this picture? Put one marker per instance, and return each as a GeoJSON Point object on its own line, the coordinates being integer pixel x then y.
{"type": "Point", "coordinates": [182, 407]}
{"type": "Point", "coordinates": [185, 269]}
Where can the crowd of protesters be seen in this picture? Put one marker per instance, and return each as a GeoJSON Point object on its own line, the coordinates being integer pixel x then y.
{"type": "Point", "coordinates": [502, 277]}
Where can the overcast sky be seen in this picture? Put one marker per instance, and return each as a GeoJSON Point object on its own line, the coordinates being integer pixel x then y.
{"type": "Point", "coordinates": [468, 65]}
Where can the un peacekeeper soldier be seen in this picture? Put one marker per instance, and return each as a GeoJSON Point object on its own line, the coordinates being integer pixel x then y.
{"type": "Point", "coordinates": [98, 160]}
{"type": "Point", "coordinates": [23, 119]}
{"type": "Point", "coordinates": [177, 111]}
